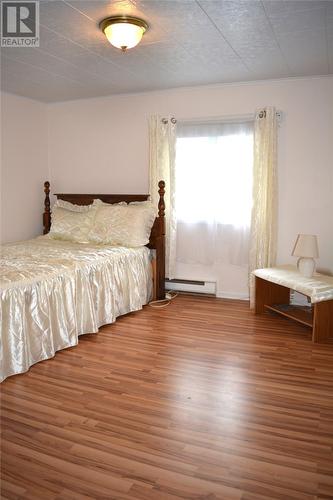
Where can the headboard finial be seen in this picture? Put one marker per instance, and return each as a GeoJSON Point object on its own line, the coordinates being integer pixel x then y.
{"type": "Point", "coordinates": [47, 210]}
{"type": "Point", "coordinates": [161, 203]}
{"type": "Point", "coordinates": [47, 187]}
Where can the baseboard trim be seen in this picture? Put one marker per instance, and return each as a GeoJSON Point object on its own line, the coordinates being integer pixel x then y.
{"type": "Point", "coordinates": [232, 295]}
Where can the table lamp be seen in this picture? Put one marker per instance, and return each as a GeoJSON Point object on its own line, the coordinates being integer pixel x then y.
{"type": "Point", "coordinates": [306, 248]}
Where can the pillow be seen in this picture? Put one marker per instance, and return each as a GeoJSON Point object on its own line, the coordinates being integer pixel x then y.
{"type": "Point", "coordinates": [123, 225]}
{"type": "Point", "coordinates": [72, 222]}
{"type": "Point", "coordinates": [75, 208]}
{"type": "Point", "coordinates": [145, 203]}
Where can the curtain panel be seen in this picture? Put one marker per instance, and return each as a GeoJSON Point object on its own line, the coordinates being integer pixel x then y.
{"type": "Point", "coordinates": [263, 234]}
{"type": "Point", "coordinates": [162, 152]}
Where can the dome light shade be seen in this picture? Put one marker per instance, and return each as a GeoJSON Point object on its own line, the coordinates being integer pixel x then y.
{"type": "Point", "coordinates": [123, 32]}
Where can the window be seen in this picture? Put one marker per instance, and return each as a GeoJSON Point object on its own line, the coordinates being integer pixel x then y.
{"type": "Point", "coordinates": [213, 191]}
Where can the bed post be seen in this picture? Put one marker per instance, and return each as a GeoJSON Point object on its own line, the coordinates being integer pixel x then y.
{"type": "Point", "coordinates": [47, 211]}
{"type": "Point", "coordinates": [160, 244]}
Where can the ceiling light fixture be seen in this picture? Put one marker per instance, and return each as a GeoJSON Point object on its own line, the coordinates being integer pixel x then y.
{"type": "Point", "coordinates": [123, 32]}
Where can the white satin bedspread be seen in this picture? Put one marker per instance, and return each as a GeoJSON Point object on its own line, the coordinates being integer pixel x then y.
{"type": "Point", "coordinates": [53, 291]}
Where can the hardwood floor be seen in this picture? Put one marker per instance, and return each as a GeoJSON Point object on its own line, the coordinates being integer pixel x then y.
{"type": "Point", "coordinates": [200, 400]}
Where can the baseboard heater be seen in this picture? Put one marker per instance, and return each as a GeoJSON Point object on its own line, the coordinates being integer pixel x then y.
{"type": "Point", "coordinates": [192, 286]}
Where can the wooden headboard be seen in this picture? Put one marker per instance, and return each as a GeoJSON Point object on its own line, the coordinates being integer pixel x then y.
{"type": "Point", "coordinates": [157, 235]}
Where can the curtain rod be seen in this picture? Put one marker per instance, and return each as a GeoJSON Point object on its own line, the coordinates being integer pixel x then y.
{"type": "Point", "coordinates": [166, 120]}
{"type": "Point", "coordinates": [217, 119]}
{"type": "Point", "coordinates": [250, 117]}
{"type": "Point", "coordinates": [262, 114]}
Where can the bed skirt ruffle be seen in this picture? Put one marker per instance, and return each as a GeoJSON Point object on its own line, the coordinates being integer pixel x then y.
{"type": "Point", "coordinates": [69, 294]}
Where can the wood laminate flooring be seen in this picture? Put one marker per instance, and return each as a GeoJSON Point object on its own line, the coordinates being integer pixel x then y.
{"type": "Point", "coordinates": [200, 400]}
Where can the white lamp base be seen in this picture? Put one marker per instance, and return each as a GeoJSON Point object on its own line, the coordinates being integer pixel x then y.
{"type": "Point", "coordinates": [306, 266]}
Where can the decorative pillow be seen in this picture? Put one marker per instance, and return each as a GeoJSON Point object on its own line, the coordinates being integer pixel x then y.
{"type": "Point", "coordinates": [146, 203]}
{"type": "Point", "coordinates": [123, 225]}
{"type": "Point", "coordinates": [72, 222]}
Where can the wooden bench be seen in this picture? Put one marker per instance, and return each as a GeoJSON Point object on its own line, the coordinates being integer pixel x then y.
{"type": "Point", "coordinates": [273, 287]}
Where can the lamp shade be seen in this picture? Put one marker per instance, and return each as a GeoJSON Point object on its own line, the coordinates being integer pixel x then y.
{"type": "Point", "coordinates": [306, 246]}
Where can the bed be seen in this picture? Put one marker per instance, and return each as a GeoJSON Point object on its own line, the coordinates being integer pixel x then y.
{"type": "Point", "coordinates": [53, 291]}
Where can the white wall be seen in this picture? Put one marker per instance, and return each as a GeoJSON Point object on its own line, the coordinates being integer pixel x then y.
{"type": "Point", "coordinates": [23, 166]}
{"type": "Point", "coordinates": [101, 145]}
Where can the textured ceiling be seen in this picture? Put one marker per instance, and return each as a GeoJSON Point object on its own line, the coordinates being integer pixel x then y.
{"type": "Point", "coordinates": [189, 43]}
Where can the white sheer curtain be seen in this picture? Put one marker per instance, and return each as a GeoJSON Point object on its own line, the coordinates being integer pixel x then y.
{"type": "Point", "coordinates": [214, 192]}
{"type": "Point", "coordinates": [162, 144]}
{"type": "Point", "coordinates": [264, 212]}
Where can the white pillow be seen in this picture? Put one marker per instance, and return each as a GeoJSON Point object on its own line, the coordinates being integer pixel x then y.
{"type": "Point", "coordinates": [123, 225]}
{"type": "Point", "coordinates": [72, 222]}
{"type": "Point", "coordinates": [145, 203]}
